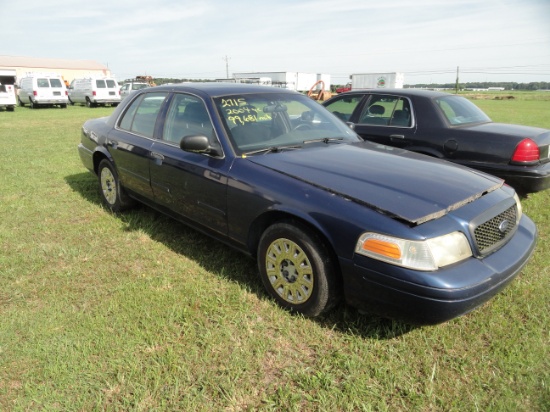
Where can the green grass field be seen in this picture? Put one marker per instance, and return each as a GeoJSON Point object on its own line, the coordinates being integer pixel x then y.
{"type": "Point", "coordinates": [134, 312]}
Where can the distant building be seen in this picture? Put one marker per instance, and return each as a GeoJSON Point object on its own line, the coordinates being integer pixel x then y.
{"type": "Point", "coordinates": [69, 69]}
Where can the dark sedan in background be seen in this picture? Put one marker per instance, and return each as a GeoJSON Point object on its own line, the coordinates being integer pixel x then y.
{"type": "Point", "coordinates": [450, 127]}
{"type": "Point", "coordinates": [326, 214]}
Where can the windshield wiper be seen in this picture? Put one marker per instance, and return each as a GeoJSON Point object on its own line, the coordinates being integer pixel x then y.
{"type": "Point", "coordinates": [325, 140]}
{"type": "Point", "coordinates": [271, 149]}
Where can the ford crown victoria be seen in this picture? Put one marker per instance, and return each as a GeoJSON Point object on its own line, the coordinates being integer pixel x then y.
{"type": "Point", "coordinates": [449, 127]}
{"type": "Point", "coordinates": [327, 216]}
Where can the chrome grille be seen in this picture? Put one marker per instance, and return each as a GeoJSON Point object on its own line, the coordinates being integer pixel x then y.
{"type": "Point", "coordinates": [493, 232]}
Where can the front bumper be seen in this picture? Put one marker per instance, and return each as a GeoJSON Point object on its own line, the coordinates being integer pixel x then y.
{"type": "Point", "coordinates": [435, 297]}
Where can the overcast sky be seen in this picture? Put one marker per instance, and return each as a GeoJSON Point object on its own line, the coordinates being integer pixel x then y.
{"type": "Point", "coordinates": [489, 40]}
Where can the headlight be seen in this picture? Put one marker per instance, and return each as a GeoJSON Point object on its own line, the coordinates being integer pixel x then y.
{"type": "Point", "coordinates": [518, 204]}
{"type": "Point", "coordinates": [426, 255]}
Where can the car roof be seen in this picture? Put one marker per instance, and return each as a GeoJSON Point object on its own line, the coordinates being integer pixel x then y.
{"type": "Point", "coordinates": [218, 89]}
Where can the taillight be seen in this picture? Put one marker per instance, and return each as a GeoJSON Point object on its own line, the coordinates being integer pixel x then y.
{"type": "Point", "coordinates": [526, 151]}
{"type": "Point", "coordinates": [34, 93]}
{"type": "Point", "coordinates": [94, 93]}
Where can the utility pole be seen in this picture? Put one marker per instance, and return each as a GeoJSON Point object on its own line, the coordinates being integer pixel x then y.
{"type": "Point", "coordinates": [456, 87]}
{"type": "Point", "coordinates": [226, 66]}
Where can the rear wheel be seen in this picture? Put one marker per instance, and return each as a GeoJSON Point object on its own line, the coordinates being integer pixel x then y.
{"type": "Point", "coordinates": [20, 102]}
{"type": "Point", "coordinates": [297, 270]}
{"type": "Point", "coordinates": [112, 194]}
{"type": "Point", "coordinates": [33, 104]}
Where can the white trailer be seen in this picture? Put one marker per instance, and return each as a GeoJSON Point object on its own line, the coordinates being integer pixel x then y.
{"type": "Point", "coordinates": [297, 81]}
{"type": "Point", "coordinates": [8, 97]}
{"type": "Point", "coordinates": [377, 81]}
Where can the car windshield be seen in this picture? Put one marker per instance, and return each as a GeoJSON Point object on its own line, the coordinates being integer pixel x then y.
{"type": "Point", "coordinates": [271, 122]}
{"type": "Point", "coordinates": [461, 111]}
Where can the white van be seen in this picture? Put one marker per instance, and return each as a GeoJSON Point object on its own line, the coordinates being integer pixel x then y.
{"type": "Point", "coordinates": [42, 89]}
{"type": "Point", "coordinates": [94, 91]}
{"type": "Point", "coordinates": [8, 97]}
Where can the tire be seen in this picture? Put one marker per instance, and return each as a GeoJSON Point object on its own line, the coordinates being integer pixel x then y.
{"type": "Point", "coordinates": [33, 104]}
{"type": "Point", "coordinates": [112, 193]}
{"type": "Point", "coordinates": [71, 102]}
{"type": "Point", "coordinates": [297, 269]}
{"type": "Point", "coordinates": [20, 102]}
{"type": "Point", "coordinates": [89, 103]}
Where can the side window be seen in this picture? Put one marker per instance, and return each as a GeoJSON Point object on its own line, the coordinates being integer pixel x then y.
{"type": "Point", "coordinates": [386, 110]}
{"type": "Point", "coordinates": [344, 107]}
{"type": "Point", "coordinates": [378, 110]}
{"type": "Point", "coordinates": [142, 114]}
{"type": "Point", "coordinates": [186, 116]}
{"type": "Point", "coordinates": [401, 116]}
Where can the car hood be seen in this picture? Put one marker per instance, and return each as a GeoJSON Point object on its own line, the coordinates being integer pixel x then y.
{"type": "Point", "coordinates": [403, 184]}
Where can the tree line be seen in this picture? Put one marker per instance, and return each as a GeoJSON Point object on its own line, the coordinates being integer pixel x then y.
{"type": "Point", "coordinates": [468, 85]}
{"type": "Point", "coordinates": [486, 85]}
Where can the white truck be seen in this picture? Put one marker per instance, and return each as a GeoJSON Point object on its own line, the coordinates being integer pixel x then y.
{"type": "Point", "coordinates": [377, 81]}
{"type": "Point", "coordinates": [8, 97]}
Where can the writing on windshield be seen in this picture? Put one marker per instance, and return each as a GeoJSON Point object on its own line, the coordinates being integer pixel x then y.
{"type": "Point", "coordinates": [240, 112]}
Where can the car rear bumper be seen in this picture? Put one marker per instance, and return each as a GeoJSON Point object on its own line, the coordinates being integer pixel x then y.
{"type": "Point", "coordinates": [106, 101]}
{"type": "Point", "coordinates": [51, 101]}
{"type": "Point", "coordinates": [379, 288]}
{"type": "Point", "coordinates": [523, 178]}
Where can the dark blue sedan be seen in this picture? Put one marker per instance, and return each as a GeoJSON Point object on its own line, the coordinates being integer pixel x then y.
{"type": "Point", "coordinates": [326, 215]}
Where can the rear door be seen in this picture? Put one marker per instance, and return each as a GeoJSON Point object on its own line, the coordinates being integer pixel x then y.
{"type": "Point", "coordinates": [112, 90]}
{"type": "Point", "coordinates": [58, 89]}
{"type": "Point", "coordinates": [130, 142]}
{"type": "Point", "coordinates": [7, 90]}
{"type": "Point", "coordinates": [386, 119]}
{"type": "Point", "coordinates": [106, 90]}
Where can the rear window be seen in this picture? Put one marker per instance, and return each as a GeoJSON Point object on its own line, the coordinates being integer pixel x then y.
{"type": "Point", "coordinates": [55, 82]}
{"type": "Point", "coordinates": [42, 83]}
{"type": "Point", "coordinates": [460, 111]}
{"type": "Point", "coordinates": [106, 84]}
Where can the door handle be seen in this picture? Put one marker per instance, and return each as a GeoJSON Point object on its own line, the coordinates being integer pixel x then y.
{"type": "Point", "coordinates": [397, 136]}
{"type": "Point", "coordinates": [157, 157]}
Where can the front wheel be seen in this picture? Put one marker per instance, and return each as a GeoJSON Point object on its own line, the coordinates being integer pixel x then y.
{"type": "Point", "coordinates": [297, 269]}
{"type": "Point", "coordinates": [112, 194]}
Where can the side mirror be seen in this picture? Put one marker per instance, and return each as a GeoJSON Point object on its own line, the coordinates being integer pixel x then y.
{"type": "Point", "coordinates": [198, 144]}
